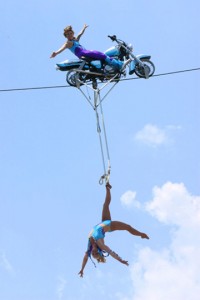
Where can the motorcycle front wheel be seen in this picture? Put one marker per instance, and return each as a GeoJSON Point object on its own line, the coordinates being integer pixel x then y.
{"type": "Point", "coordinates": [146, 71]}
{"type": "Point", "coordinates": [73, 78]}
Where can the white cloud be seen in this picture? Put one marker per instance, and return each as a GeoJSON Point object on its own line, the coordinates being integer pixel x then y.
{"type": "Point", "coordinates": [5, 264]}
{"type": "Point", "coordinates": [152, 135]}
{"type": "Point", "coordinates": [61, 287]}
{"type": "Point", "coordinates": [172, 272]}
{"type": "Point", "coordinates": [173, 127]}
{"type": "Point", "coordinates": [128, 199]}
{"type": "Point", "coordinates": [172, 204]}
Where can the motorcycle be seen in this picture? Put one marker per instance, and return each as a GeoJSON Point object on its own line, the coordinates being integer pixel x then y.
{"type": "Point", "coordinates": [87, 70]}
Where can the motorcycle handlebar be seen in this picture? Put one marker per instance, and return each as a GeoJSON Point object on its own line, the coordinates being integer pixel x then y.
{"type": "Point", "coordinates": [113, 37]}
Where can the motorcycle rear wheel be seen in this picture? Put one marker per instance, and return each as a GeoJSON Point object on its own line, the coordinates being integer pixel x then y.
{"type": "Point", "coordinates": [150, 69]}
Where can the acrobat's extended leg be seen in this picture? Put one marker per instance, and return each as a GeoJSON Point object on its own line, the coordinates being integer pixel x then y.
{"type": "Point", "coordinates": [117, 225]}
{"type": "Point", "coordinates": [106, 210]}
{"type": "Point", "coordinates": [90, 54]}
{"type": "Point", "coordinates": [117, 64]}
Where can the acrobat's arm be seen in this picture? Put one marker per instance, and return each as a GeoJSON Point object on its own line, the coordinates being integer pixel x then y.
{"type": "Point", "coordinates": [61, 49]}
{"type": "Point", "coordinates": [81, 32]}
{"type": "Point", "coordinates": [101, 244]}
{"type": "Point", "coordinates": [117, 257]}
{"type": "Point", "coordinates": [84, 262]}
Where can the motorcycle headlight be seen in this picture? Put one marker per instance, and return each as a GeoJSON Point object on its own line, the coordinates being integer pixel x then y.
{"type": "Point", "coordinates": [130, 47]}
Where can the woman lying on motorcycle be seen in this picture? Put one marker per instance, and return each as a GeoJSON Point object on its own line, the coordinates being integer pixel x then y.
{"type": "Point", "coordinates": [74, 46]}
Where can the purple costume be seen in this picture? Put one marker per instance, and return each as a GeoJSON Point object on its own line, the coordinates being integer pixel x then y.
{"type": "Point", "coordinates": [79, 51]}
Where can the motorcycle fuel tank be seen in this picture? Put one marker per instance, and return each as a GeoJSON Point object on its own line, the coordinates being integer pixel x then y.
{"type": "Point", "coordinates": [113, 51]}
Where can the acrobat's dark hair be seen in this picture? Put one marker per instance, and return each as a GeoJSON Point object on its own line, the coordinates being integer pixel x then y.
{"type": "Point", "coordinates": [68, 28]}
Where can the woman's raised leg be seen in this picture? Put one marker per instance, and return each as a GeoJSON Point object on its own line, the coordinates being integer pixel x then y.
{"type": "Point", "coordinates": [106, 210]}
{"type": "Point", "coordinates": [117, 225]}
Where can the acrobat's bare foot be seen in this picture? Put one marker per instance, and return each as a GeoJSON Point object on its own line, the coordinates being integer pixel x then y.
{"type": "Point", "coordinates": [108, 185]}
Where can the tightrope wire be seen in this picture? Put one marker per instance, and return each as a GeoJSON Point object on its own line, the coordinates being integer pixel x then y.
{"type": "Point", "coordinates": [65, 86]}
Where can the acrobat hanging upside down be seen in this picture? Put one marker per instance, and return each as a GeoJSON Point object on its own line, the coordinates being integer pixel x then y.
{"type": "Point", "coordinates": [96, 246]}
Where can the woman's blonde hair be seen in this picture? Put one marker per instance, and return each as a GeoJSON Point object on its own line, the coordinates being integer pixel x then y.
{"type": "Point", "coordinates": [66, 29]}
{"type": "Point", "coordinates": [101, 259]}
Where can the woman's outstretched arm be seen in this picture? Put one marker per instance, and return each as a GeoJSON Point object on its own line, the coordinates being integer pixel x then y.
{"type": "Point", "coordinates": [61, 49]}
{"type": "Point", "coordinates": [84, 262]}
{"type": "Point", "coordinates": [81, 32]}
{"type": "Point", "coordinates": [101, 244]}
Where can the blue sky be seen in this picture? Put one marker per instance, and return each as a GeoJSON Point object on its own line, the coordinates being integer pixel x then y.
{"type": "Point", "coordinates": [50, 160]}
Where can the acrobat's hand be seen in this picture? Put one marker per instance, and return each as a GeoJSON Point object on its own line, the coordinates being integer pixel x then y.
{"type": "Point", "coordinates": [144, 236]}
{"type": "Point", "coordinates": [125, 262]}
{"type": "Point", "coordinates": [80, 273]}
{"type": "Point", "coordinates": [53, 54]}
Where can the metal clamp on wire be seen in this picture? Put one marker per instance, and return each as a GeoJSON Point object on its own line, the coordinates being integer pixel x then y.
{"type": "Point", "coordinates": [105, 177]}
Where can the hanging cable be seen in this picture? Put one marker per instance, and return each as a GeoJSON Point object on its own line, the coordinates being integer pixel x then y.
{"type": "Point", "coordinates": [101, 146]}
{"type": "Point", "coordinates": [97, 102]}
{"type": "Point", "coordinates": [106, 142]}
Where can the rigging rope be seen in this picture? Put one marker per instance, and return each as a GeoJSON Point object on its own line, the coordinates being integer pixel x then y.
{"type": "Point", "coordinates": [97, 103]}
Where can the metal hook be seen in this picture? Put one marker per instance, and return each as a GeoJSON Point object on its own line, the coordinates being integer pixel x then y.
{"type": "Point", "coordinates": [101, 180]}
{"type": "Point", "coordinates": [105, 177]}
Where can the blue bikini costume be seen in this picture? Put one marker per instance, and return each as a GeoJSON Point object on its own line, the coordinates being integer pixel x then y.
{"type": "Point", "coordinates": [97, 233]}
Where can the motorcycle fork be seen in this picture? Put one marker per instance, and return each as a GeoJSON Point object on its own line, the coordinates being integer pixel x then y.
{"type": "Point", "coordinates": [141, 64]}
{"type": "Point", "coordinates": [82, 65]}
{"type": "Point", "coordinates": [78, 74]}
